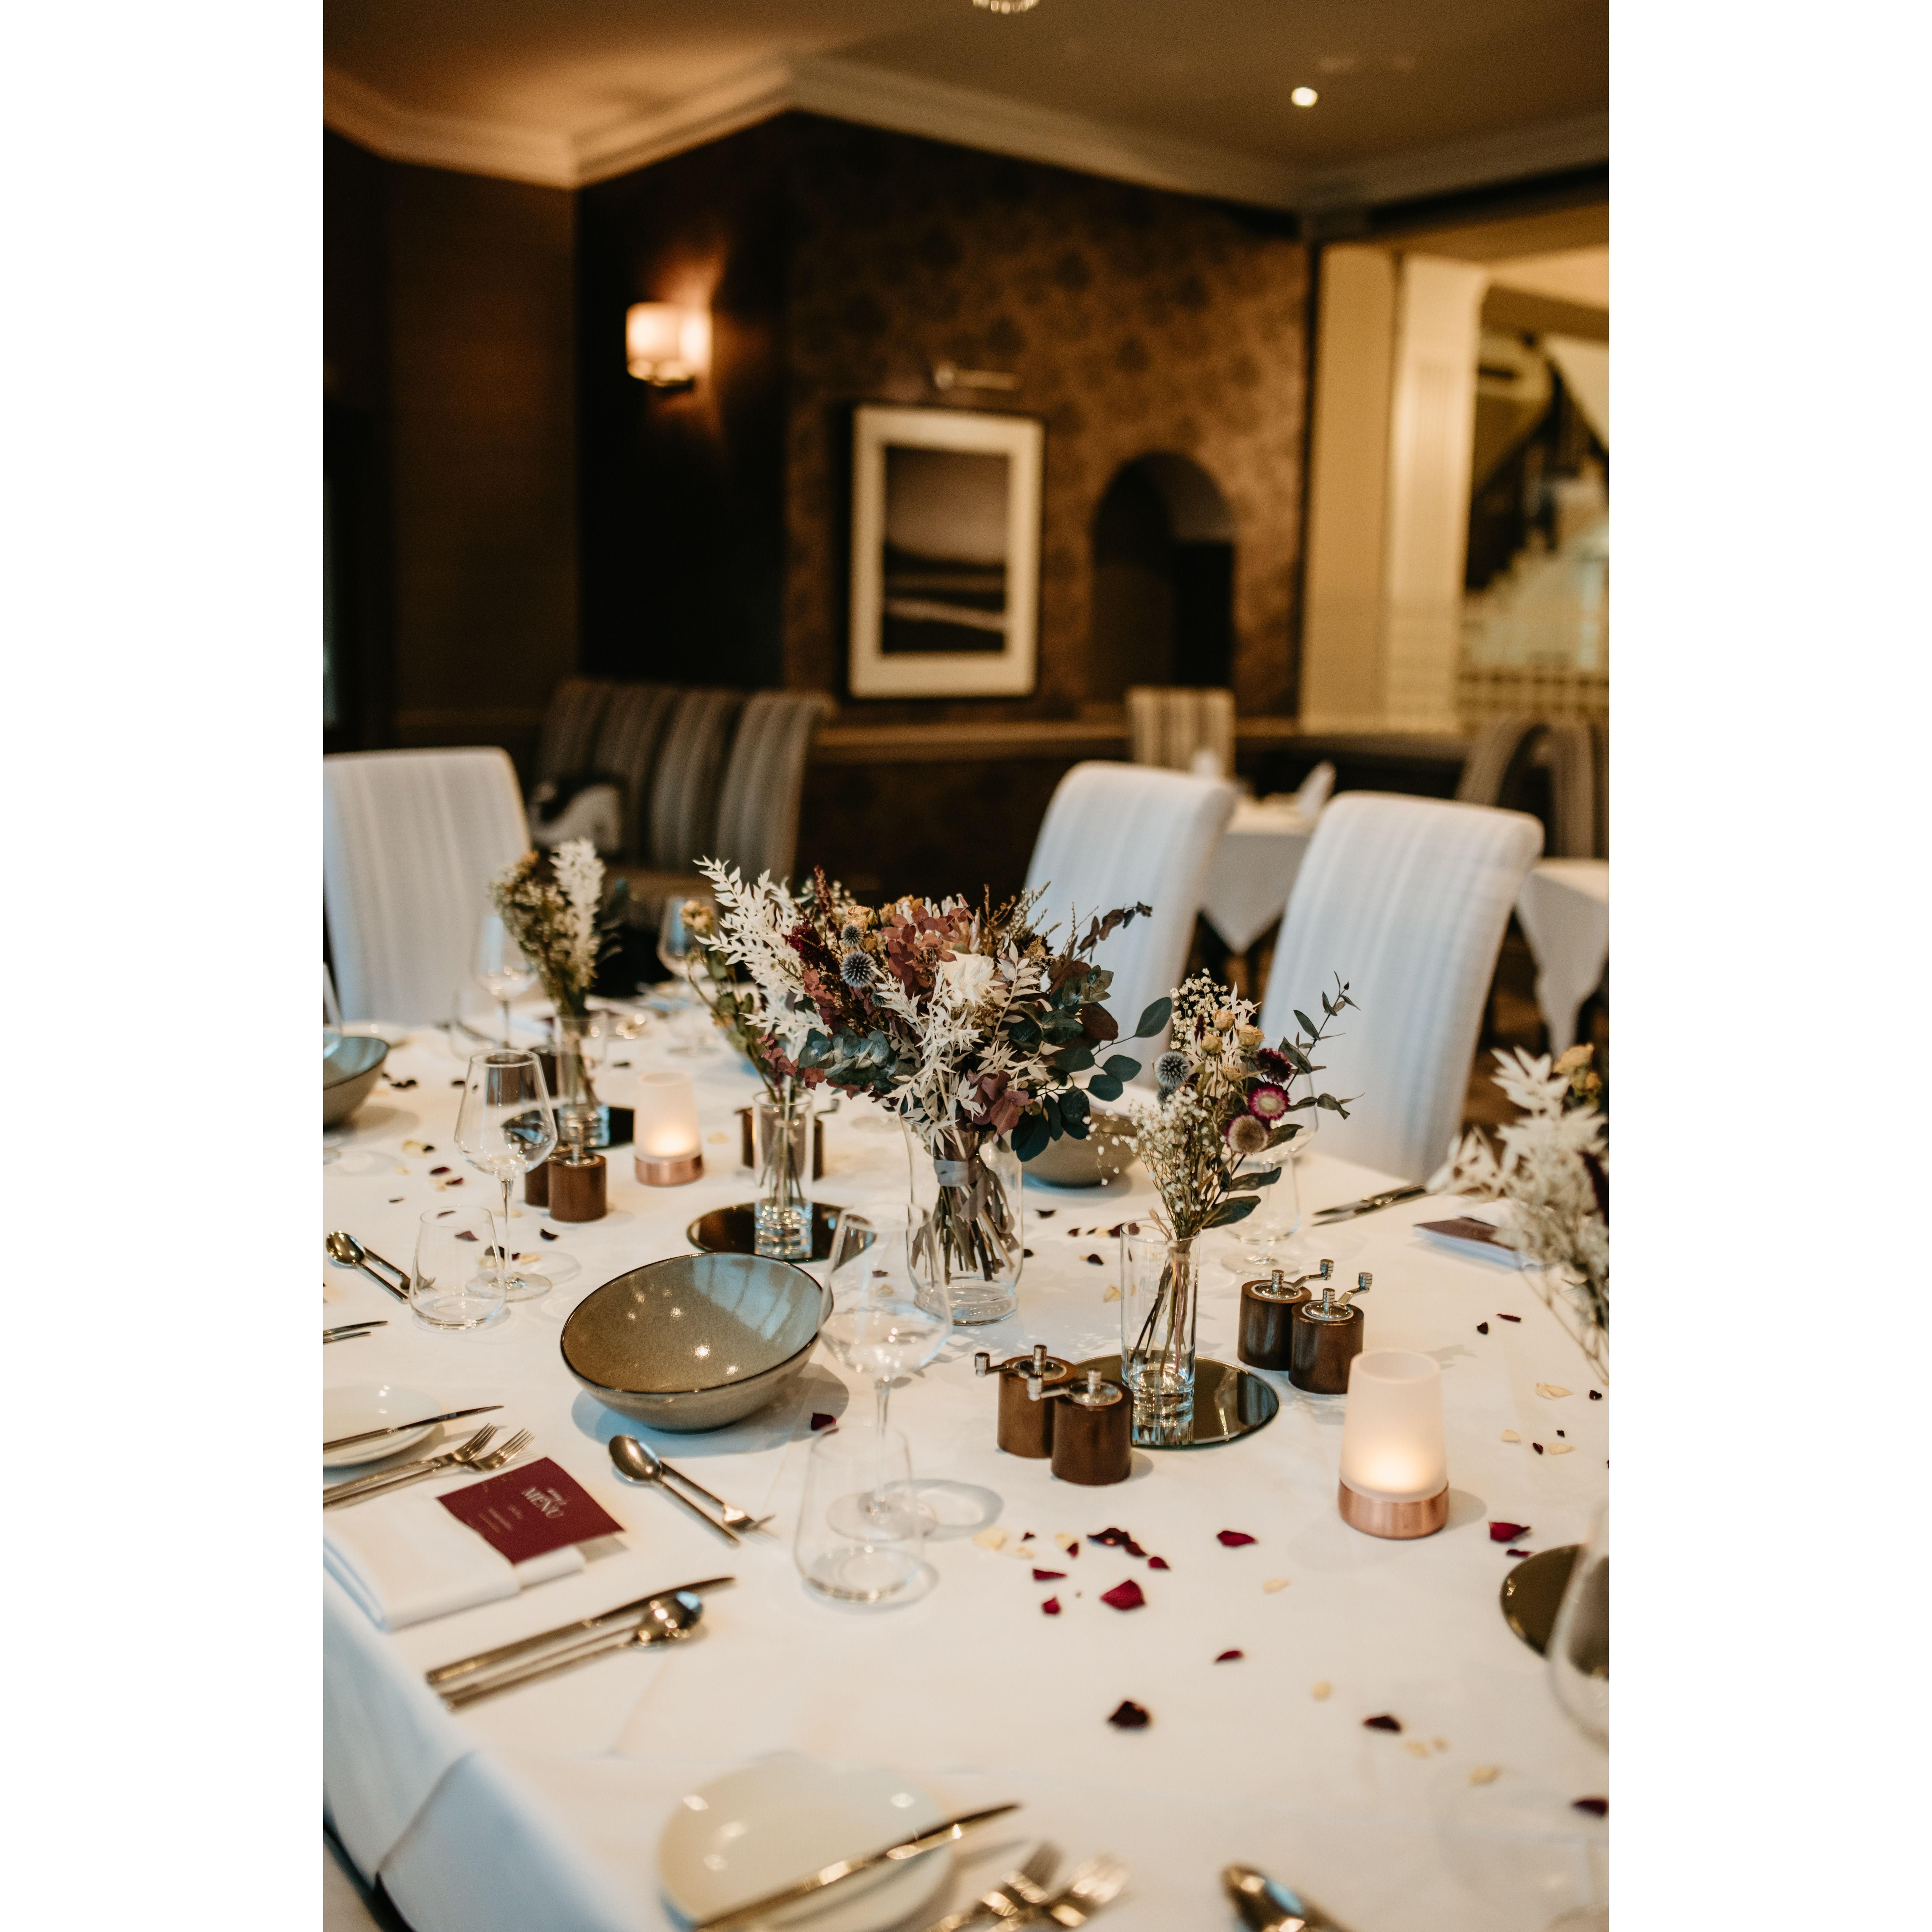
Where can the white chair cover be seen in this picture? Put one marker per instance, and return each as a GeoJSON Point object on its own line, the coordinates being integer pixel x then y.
{"type": "Point", "coordinates": [1123, 834]}
{"type": "Point", "coordinates": [1314, 791]}
{"type": "Point", "coordinates": [410, 841]}
{"type": "Point", "coordinates": [1406, 898]}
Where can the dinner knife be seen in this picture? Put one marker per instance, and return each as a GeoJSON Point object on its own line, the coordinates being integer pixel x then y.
{"type": "Point", "coordinates": [1369, 1204]}
{"type": "Point", "coordinates": [398, 1428]}
{"type": "Point", "coordinates": [463, 1666]}
{"type": "Point", "coordinates": [743, 1915]}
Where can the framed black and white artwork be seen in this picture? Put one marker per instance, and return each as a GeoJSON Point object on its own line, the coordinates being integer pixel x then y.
{"type": "Point", "coordinates": [946, 522]}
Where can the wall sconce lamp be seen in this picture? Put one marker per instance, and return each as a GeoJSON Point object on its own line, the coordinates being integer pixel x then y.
{"type": "Point", "coordinates": [667, 345]}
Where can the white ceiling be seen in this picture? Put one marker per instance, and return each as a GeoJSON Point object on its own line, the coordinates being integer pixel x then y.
{"type": "Point", "coordinates": [1416, 96]}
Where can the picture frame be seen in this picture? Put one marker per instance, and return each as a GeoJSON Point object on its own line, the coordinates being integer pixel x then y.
{"type": "Point", "coordinates": [945, 543]}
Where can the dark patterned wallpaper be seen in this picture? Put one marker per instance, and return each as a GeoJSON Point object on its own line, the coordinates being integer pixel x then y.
{"type": "Point", "coordinates": [1137, 321]}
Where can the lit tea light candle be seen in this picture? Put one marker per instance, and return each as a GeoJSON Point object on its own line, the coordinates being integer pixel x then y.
{"type": "Point", "coordinates": [1395, 1471]}
{"type": "Point", "coordinates": [665, 1143]}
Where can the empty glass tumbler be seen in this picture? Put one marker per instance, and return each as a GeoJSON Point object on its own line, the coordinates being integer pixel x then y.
{"type": "Point", "coordinates": [458, 1280]}
{"type": "Point", "coordinates": [861, 1533]}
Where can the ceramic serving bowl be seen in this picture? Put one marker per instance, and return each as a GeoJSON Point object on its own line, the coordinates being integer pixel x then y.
{"type": "Point", "coordinates": [695, 1341]}
{"type": "Point", "coordinates": [1105, 1153]}
{"type": "Point", "coordinates": [348, 1073]}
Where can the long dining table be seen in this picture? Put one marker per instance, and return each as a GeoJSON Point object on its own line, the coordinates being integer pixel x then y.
{"type": "Point", "coordinates": [542, 1807]}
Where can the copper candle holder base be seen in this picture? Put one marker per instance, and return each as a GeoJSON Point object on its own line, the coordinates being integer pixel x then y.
{"type": "Point", "coordinates": [1375, 1515]}
{"type": "Point", "coordinates": [668, 1170]}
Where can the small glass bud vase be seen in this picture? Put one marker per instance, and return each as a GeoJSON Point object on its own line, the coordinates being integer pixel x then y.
{"type": "Point", "coordinates": [782, 1153]}
{"type": "Point", "coordinates": [1160, 1302]}
{"type": "Point", "coordinates": [581, 1120]}
{"type": "Point", "coordinates": [1579, 1641]}
{"type": "Point", "coordinates": [970, 1183]}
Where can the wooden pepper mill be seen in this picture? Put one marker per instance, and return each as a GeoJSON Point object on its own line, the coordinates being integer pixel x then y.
{"type": "Point", "coordinates": [536, 1187]}
{"type": "Point", "coordinates": [577, 1184]}
{"type": "Point", "coordinates": [1327, 1337]}
{"type": "Point", "coordinates": [1268, 1316]}
{"type": "Point", "coordinates": [1026, 1423]}
{"type": "Point", "coordinates": [1092, 1436]}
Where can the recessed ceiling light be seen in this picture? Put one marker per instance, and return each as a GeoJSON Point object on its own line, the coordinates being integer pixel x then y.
{"type": "Point", "coordinates": [1304, 96]}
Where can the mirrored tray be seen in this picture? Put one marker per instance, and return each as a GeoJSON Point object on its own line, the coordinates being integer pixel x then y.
{"type": "Point", "coordinates": [1229, 1403]}
{"type": "Point", "coordinates": [730, 1231]}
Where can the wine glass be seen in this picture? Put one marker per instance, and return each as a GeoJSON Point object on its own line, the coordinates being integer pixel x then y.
{"type": "Point", "coordinates": [498, 965]}
{"type": "Point", "coordinates": [505, 1127]}
{"type": "Point", "coordinates": [331, 1014]}
{"type": "Point", "coordinates": [690, 1020]}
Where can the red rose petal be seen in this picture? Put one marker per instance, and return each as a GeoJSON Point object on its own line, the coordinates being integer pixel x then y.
{"type": "Point", "coordinates": [1051, 1606]}
{"type": "Point", "coordinates": [1482, 1327]}
{"type": "Point", "coordinates": [1501, 1317]}
{"type": "Point", "coordinates": [439, 1170]}
{"type": "Point", "coordinates": [1047, 1576]}
{"type": "Point", "coordinates": [1232, 1539]}
{"type": "Point", "coordinates": [1026, 1254]}
{"type": "Point", "coordinates": [821, 1420]}
{"type": "Point", "coordinates": [1229, 1656]}
{"type": "Point", "coordinates": [457, 1182]}
{"type": "Point", "coordinates": [464, 1234]}
{"type": "Point", "coordinates": [545, 1234]}
{"type": "Point", "coordinates": [1097, 1261]}
{"type": "Point", "coordinates": [1597, 1807]}
{"type": "Point", "coordinates": [1560, 1432]}
{"type": "Point", "coordinates": [395, 1201]}
{"type": "Point", "coordinates": [1508, 1532]}
{"type": "Point", "coordinates": [1156, 1562]}
{"type": "Point", "coordinates": [1384, 1723]}
{"type": "Point", "coordinates": [1133, 1548]}
{"type": "Point", "coordinates": [1130, 1716]}
{"type": "Point", "coordinates": [459, 1083]}
{"type": "Point", "coordinates": [1045, 1214]}
{"type": "Point", "coordinates": [1519, 1553]}
{"type": "Point", "coordinates": [1538, 1447]}
{"type": "Point", "coordinates": [1124, 1596]}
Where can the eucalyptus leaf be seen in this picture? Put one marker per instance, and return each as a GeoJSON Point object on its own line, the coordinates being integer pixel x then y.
{"type": "Point", "coordinates": [1104, 1087]}
{"type": "Point", "coordinates": [1030, 1136]}
{"type": "Point", "coordinates": [1119, 1067]}
{"type": "Point", "coordinates": [1231, 1211]}
{"type": "Point", "coordinates": [1155, 1017]}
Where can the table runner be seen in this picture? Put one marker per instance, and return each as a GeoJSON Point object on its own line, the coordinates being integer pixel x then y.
{"type": "Point", "coordinates": [973, 1691]}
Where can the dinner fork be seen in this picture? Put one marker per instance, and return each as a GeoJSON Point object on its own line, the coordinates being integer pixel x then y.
{"type": "Point", "coordinates": [360, 1487]}
{"type": "Point", "coordinates": [1094, 1887]}
{"type": "Point", "coordinates": [731, 1515]}
{"type": "Point", "coordinates": [481, 1465]}
{"type": "Point", "coordinates": [1011, 1897]}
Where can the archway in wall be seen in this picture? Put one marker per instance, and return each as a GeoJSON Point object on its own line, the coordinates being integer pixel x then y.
{"type": "Point", "coordinates": [1163, 607]}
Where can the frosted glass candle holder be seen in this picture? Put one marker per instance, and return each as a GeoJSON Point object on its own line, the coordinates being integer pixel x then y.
{"type": "Point", "coordinates": [1395, 1471]}
{"type": "Point", "coordinates": [666, 1145]}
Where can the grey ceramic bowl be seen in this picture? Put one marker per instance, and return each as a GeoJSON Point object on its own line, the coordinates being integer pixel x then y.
{"type": "Point", "coordinates": [695, 1341]}
{"type": "Point", "coordinates": [1105, 1153]}
{"type": "Point", "coordinates": [348, 1074]}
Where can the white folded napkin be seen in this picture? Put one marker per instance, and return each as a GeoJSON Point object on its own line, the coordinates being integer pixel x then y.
{"type": "Point", "coordinates": [405, 1559]}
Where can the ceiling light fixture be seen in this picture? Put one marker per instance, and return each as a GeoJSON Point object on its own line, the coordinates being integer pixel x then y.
{"type": "Point", "coordinates": [1006, 6]}
{"type": "Point", "coordinates": [1304, 96]}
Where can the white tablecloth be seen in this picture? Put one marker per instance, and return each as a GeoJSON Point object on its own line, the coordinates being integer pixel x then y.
{"type": "Point", "coordinates": [1253, 868]}
{"type": "Point", "coordinates": [543, 1807]}
{"type": "Point", "coordinates": [1565, 909]}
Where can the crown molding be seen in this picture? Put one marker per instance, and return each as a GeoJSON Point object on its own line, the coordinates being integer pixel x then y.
{"type": "Point", "coordinates": [1576, 142]}
{"type": "Point", "coordinates": [400, 133]}
{"type": "Point", "coordinates": [852, 91]}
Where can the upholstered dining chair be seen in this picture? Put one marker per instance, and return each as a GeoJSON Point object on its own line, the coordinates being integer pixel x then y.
{"type": "Point", "coordinates": [1122, 835]}
{"type": "Point", "coordinates": [680, 820]}
{"type": "Point", "coordinates": [410, 841]}
{"type": "Point", "coordinates": [625, 756]}
{"type": "Point", "coordinates": [1501, 749]}
{"type": "Point", "coordinates": [1571, 751]}
{"type": "Point", "coordinates": [567, 741]}
{"type": "Point", "coordinates": [1407, 899]}
{"type": "Point", "coordinates": [1170, 725]}
{"type": "Point", "coordinates": [764, 782]}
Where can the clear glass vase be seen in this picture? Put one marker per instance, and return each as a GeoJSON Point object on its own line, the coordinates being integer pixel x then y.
{"type": "Point", "coordinates": [1160, 1302]}
{"type": "Point", "coordinates": [969, 1182]}
{"type": "Point", "coordinates": [1579, 1641]}
{"type": "Point", "coordinates": [782, 1155]}
{"type": "Point", "coordinates": [581, 1119]}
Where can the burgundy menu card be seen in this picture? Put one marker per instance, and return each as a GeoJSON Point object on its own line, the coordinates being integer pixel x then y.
{"type": "Point", "coordinates": [529, 1512]}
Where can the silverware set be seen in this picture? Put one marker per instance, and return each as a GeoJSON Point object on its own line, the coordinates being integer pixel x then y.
{"type": "Point", "coordinates": [1369, 1204]}
{"type": "Point", "coordinates": [639, 1463]}
{"type": "Point", "coordinates": [475, 1455]}
{"type": "Point", "coordinates": [351, 1331]}
{"type": "Point", "coordinates": [346, 1251]}
{"type": "Point", "coordinates": [1021, 1897]}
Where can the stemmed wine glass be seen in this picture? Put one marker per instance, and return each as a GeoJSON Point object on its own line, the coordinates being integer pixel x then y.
{"type": "Point", "coordinates": [690, 1024]}
{"type": "Point", "coordinates": [505, 1127]}
{"type": "Point", "coordinates": [499, 967]}
{"type": "Point", "coordinates": [890, 1311]}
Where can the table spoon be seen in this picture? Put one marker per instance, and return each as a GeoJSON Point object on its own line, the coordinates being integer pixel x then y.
{"type": "Point", "coordinates": [666, 1620]}
{"type": "Point", "coordinates": [1267, 1905]}
{"type": "Point", "coordinates": [346, 1251]}
{"type": "Point", "coordinates": [634, 1460]}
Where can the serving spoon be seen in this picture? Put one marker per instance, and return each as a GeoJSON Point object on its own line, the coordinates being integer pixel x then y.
{"type": "Point", "coordinates": [633, 1460]}
{"type": "Point", "coordinates": [668, 1619]}
{"type": "Point", "coordinates": [346, 1251]}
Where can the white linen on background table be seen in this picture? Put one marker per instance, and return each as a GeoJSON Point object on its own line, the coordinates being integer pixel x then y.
{"type": "Point", "coordinates": [405, 1559]}
{"type": "Point", "coordinates": [1252, 871]}
{"type": "Point", "coordinates": [971, 1691]}
{"type": "Point", "coordinates": [1565, 911]}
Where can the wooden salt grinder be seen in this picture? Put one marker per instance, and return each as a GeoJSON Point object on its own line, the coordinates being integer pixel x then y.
{"type": "Point", "coordinates": [1026, 1424]}
{"type": "Point", "coordinates": [1327, 1337]}
{"type": "Point", "coordinates": [1267, 1317]}
{"type": "Point", "coordinates": [578, 1185]}
{"type": "Point", "coordinates": [536, 1187]}
{"type": "Point", "coordinates": [1091, 1437]}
